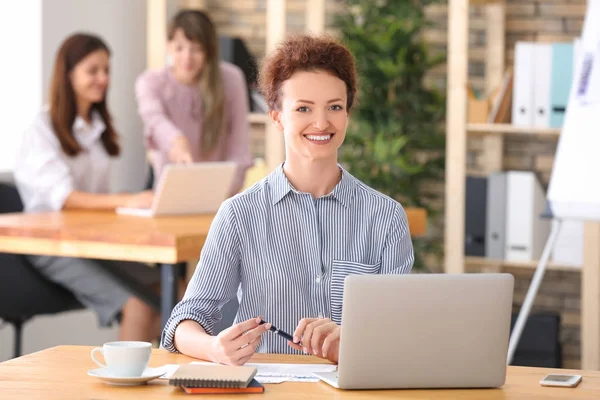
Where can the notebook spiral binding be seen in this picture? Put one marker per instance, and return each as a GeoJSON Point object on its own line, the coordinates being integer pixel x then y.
{"type": "Point", "coordinates": [206, 383]}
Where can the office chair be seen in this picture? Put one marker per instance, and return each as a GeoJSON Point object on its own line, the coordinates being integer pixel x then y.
{"type": "Point", "coordinates": [24, 292]}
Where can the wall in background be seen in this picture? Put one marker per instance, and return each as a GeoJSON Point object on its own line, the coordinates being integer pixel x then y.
{"type": "Point", "coordinates": [20, 73]}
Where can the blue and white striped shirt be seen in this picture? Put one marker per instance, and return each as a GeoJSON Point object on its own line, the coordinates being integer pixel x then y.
{"type": "Point", "coordinates": [286, 254]}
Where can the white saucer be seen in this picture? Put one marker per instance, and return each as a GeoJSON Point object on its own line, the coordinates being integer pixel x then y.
{"type": "Point", "coordinates": [148, 375]}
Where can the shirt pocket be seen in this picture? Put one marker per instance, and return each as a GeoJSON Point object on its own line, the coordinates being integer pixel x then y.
{"type": "Point", "coordinates": [339, 271]}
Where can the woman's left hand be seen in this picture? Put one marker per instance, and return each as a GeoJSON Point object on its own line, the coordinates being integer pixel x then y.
{"type": "Point", "coordinates": [318, 336]}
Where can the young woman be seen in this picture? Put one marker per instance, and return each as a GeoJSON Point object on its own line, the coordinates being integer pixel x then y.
{"type": "Point", "coordinates": [197, 109]}
{"type": "Point", "coordinates": [285, 245]}
{"type": "Point", "coordinates": [64, 163]}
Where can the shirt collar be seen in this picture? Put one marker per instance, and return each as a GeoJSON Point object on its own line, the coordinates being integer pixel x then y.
{"type": "Point", "coordinates": [281, 186]}
{"type": "Point", "coordinates": [86, 134]}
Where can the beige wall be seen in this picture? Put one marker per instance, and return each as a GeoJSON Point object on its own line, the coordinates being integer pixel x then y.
{"type": "Point", "coordinates": [20, 74]}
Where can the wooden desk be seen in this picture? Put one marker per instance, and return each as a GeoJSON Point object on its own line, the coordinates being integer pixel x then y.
{"type": "Point", "coordinates": [61, 373]}
{"type": "Point", "coordinates": [105, 235]}
{"type": "Point", "coordinates": [167, 241]}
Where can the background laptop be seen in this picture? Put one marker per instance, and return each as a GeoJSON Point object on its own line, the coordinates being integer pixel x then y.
{"type": "Point", "coordinates": [424, 331]}
{"type": "Point", "coordinates": [189, 189]}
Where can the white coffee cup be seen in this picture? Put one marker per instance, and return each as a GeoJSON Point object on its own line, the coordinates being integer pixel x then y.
{"type": "Point", "coordinates": [124, 359]}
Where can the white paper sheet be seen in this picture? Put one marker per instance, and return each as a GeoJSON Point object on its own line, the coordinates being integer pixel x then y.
{"type": "Point", "coordinates": [277, 373]}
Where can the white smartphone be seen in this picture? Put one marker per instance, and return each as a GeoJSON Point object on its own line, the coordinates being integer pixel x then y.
{"type": "Point", "coordinates": [561, 380]}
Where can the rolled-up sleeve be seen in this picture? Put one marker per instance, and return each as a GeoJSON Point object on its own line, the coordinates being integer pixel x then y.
{"type": "Point", "coordinates": [41, 174]}
{"type": "Point", "coordinates": [215, 281]}
{"type": "Point", "coordinates": [159, 130]}
{"type": "Point", "coordinates": [238, 147]}
{"type": "Point", "coordinates": [398, 255]}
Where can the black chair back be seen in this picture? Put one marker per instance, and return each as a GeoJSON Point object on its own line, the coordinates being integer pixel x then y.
{"type": "Point", "coordinates": [10, 201]}
{"type": "Point", "coordinates": [24, 292]}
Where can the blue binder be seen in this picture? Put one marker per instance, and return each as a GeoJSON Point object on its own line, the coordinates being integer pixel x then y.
{"type": "Point", "coordinates": [560, 83]}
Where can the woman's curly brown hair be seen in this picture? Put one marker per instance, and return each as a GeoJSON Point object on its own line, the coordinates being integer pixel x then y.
{"type": "Point", "coordinates": [306, 53]}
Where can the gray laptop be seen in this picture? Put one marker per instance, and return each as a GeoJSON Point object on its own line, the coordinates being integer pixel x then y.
{"type": "Point", "coordinates": [188, 189]}
{"type": "Point", "coordinates": [424, 331]}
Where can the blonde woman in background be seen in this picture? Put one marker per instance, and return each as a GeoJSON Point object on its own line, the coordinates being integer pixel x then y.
{"type": "Point", "coordinates": [196, 109]}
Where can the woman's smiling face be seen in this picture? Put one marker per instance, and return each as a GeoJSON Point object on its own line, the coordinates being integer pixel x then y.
{"type": "Point", "coordinates": [312, 115]}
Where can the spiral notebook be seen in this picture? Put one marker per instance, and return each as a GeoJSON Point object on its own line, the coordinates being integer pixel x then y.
{"type": "Point", "coordinates": [212, 376]}
{"type": "Point", "coordinates": [253, 387]}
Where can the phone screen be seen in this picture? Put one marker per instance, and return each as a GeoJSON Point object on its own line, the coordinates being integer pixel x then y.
{"type": "Point", "coordinates": [559, 378]}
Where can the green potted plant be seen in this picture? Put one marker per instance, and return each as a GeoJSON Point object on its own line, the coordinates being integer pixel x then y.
{"type": "Point", "coordinates": [395, 142]}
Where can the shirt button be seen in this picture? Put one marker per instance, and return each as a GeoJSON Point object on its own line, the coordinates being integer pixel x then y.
{"type": "Point", "coordinates": [318, 279]}
{"type": "Point", "coordinates": [320, 315]}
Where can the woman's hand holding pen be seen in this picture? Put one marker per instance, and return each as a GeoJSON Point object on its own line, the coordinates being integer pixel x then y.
{"type": "Point", "coordinates": [318, 336]}
{"type": "Point", "coordinates": [180, 151]}
{"type": "Point", "coordinates": [236, 344]}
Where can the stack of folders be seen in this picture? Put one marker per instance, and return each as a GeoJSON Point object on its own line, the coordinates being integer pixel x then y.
{"type": "Point", "coordinates": [543, 74]}
{"type": "Point", "coordinates": [216, 379]}
{"type": "Point", "coordinates": [503, 221]}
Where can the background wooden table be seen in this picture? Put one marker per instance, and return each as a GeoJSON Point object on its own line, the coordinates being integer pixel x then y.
{"type": "Point", "coordinates": [61, 373]}
{"type": "Point", "coordinates": [106, 235]}
{"type": "Point", "coordinates": [168, 241]}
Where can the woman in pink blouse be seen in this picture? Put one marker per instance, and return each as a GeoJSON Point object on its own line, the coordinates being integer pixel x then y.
{"type": "Point", "coordinates": [196, 109]}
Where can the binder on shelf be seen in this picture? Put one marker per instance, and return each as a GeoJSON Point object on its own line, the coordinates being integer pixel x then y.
{"type": "Point", "coordinates": [562, 76]}
{"type": "Point", "coordinates": [522, 107]}
{"type": "Point", "coordinates": [526, 231]}
{"type": "Point", "coordinates": [495, 216]}
{"type": "Point", "coordinates": [541, 84]}
{"type": "Point", "coordinates": [475, 216]}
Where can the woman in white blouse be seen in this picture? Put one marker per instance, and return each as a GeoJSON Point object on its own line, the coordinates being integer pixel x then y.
{"type": "Point", "coordinates": [64, 163]}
